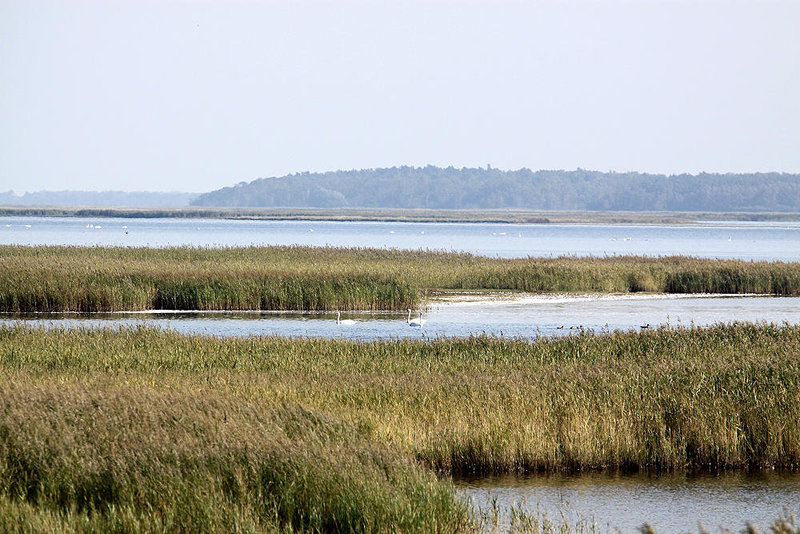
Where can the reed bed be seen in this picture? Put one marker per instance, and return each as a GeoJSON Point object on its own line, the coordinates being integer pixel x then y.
{"type": "Point", "coordinates": [139, 429]}
{"type": "Point", "coordinates": [81, 279]}
{"type": "Point", "coordinates": [718, 398]}
{"type": "Point", "coordinates": [106, 457]}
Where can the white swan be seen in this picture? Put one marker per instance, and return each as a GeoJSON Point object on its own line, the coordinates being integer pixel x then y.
{"type": "Point", "coordinates": [416, 321]}
{"type": "Point", "coordinates": [346, 322]}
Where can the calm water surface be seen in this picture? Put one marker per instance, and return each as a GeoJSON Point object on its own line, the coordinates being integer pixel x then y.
{"type": "Point", "coordinates": [756, 241]}
{"type": "Point", "coordinates": [511, 315]}
{"type": "Point", "coordinates": [670, 503]}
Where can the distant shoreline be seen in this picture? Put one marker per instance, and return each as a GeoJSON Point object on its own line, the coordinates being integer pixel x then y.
{"type": "Point", "coordinates": [405, 215]}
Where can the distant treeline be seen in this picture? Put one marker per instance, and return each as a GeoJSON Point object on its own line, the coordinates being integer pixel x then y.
{"type": "Point", "coordinates": [468, 188]}
{"type": "Point", "coordinates": [144, 199]}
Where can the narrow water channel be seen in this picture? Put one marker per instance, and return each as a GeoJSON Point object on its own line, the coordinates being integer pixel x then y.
{"type": "Point", "coordinates": [510, 315]}
{"type": "Point", "coordinates": [669, 503]}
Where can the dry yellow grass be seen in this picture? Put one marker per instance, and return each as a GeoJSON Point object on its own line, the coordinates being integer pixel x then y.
{"type": "Point", "coordinates": [308, 278]}
{"type": "Point", "coordinates": [145, 430]}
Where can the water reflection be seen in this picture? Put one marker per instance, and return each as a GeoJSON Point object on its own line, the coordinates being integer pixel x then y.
{"type": "Point", "coordinates": [510, 315]}
{"type": "Point", "coordinates": [668, 502]}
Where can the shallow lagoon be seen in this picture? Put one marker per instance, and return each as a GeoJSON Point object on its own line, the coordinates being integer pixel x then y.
{"type": "Point", "coordinates": [507, 314]}
{"type": "Point", "coordinates": [750, 241]}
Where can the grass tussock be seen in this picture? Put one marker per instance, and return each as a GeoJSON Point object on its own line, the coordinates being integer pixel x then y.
{"type": "Point", "coordinates": [47, 279]}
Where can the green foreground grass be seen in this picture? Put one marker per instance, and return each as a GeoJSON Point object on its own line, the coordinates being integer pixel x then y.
{"type": "Point", "coordinates": [140, 429]}
{"type": "Point", "coordinates": [48, 279]}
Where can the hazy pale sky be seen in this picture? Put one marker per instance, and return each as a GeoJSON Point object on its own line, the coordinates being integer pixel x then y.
{"type": "Point", "coordinates": [196, 95]}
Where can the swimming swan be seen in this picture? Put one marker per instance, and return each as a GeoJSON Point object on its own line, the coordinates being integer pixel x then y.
{"type": "Point", "coordinates": [416, 321]}
{"type": "Point", "coordinates": [346, 322]}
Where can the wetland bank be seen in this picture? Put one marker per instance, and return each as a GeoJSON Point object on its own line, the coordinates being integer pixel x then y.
{"type": "Point", "coordinates": [90, 279]}
{"type": "Point", "coordinates": [338, 435]}
{"type": "Point", "coordinates": [271, 433]}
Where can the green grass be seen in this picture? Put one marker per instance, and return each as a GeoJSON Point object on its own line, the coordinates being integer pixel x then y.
{"type": "Point", "coordinates": [140, 429]}
{"type": "Point", "coordinates": [46, 279]}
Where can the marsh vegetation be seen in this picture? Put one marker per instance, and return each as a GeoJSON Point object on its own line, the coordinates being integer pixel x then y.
{"type": "Point", "coordinates": [86, 279]}
{"type": "Point", "coordinates": [143, 429]}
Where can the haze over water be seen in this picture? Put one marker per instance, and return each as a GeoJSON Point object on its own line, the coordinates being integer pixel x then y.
{"type": "Point", "coordinates": [748, 241]}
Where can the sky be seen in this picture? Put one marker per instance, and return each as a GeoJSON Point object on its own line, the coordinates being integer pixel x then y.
{"type": "Point", "coordinates": [195, 95]}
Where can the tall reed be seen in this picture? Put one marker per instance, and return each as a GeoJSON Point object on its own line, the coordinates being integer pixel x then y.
{"type": "Point", "coordinates": [139, 429]}
{"type": "Point", "coordinates": [718, 398]}
{"type": "Point", "coordinates": [105, 456]}
{"type": "Point", "coordinates": [44, 279]}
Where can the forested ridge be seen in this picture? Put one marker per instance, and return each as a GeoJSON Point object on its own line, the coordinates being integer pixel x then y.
{"type": "Point", "coordinates": [487, 188]}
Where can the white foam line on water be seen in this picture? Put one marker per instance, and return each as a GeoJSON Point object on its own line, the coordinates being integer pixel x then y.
{"type": "Point", "coordinates": [502, 299]}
